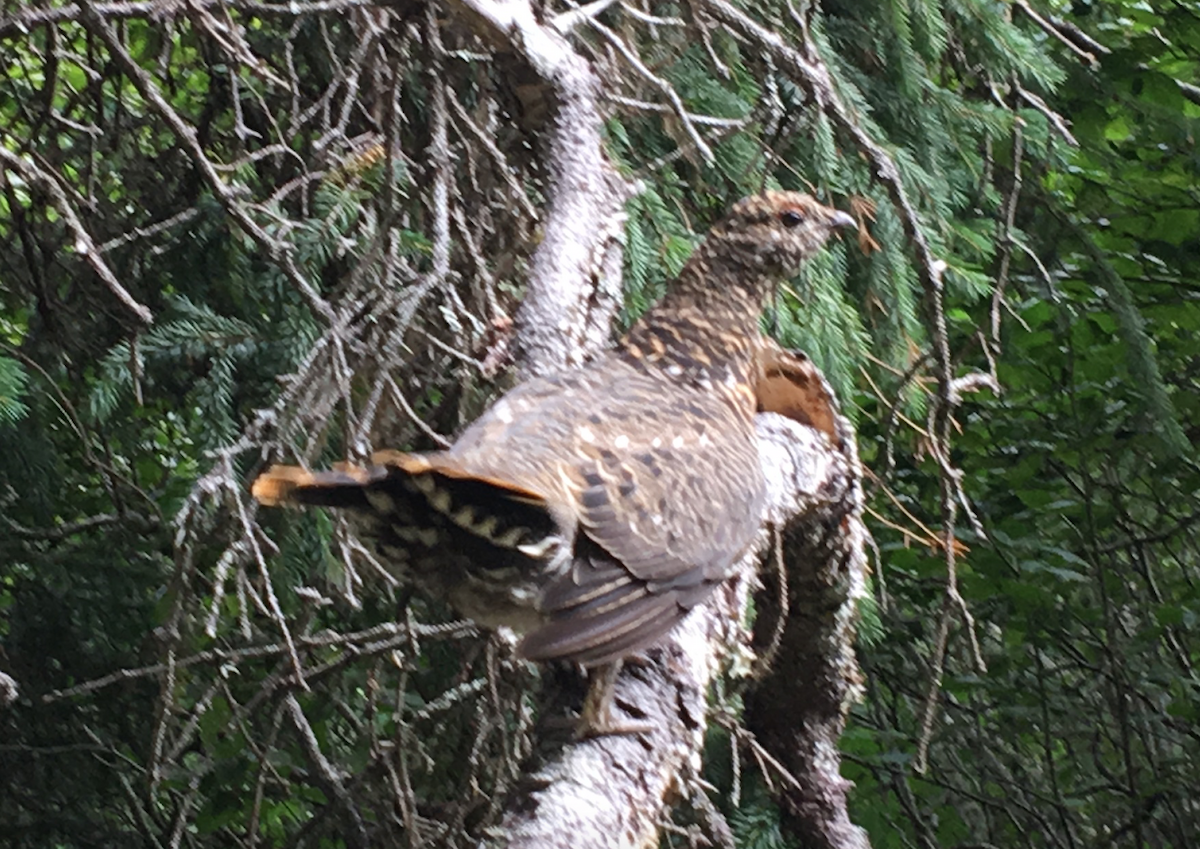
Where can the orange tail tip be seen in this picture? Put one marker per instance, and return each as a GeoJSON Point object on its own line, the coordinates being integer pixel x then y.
{"type": "Point", "coordinates": [276, 485]}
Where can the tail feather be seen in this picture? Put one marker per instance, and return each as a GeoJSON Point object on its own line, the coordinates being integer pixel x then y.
{"type": "Point", "coordinates": [599, 613]}
{"type": "Point", "coordinates": [416, 491]}
{"type": "Point", "coordinates": [595, 612]}
{"type": "Point", "coordinates": [292, 485]}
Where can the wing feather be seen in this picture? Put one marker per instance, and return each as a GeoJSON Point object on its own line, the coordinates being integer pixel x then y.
{"type": "Point", "coordinates": [598, 612]}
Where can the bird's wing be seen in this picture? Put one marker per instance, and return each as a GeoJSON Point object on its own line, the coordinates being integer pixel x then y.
{"type": "Point", "coordinates": [664, 478]}
{"type": "Point", "coordinates": [661, 522]}
{"type": "Point", "coordinates": [675, 500]}
{"type": "Point", "coordinates": [599, 612]}
{"type": "Point", "coordinates": [658, 484]}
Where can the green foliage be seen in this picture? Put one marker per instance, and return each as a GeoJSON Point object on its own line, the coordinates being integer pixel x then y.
{"type": "Point", "coordinates": [656, 247]}
{"type": "Point", "coordinates": [1070, 470]}
{"type": "Point", "coordinates": [187, 335]}
{"type": "Point", "coordinates": [755, 825]}
{"type": "Point", "coordinates": [105, 438]}
{"type": "Point", "coordinates": [13, 383]}
{"type": "Point", "coordinates": [1083, 476]}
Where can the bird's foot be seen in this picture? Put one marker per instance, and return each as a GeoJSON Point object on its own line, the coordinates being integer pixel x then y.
{"type": "Point", "coordinates": [603, 726]}
{"type": "Point", "coordinates": [597, 718]}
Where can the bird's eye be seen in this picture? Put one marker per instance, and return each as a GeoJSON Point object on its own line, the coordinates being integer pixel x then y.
{"type": "Point", "coordinates": [790, 218]}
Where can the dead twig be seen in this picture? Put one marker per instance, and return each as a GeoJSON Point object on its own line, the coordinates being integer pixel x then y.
{"type": "Point", "coordinates": [84, 245]}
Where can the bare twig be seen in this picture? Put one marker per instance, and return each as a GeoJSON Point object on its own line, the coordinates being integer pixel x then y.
{"type": "Point", "coordinates": [1055, 32]}
{"type": "Point", "coordinates": [279, 252]}
{"type": "Point", "coordinates": [664, 88]}
{"type": "Point", "coordinates": [570, 19]}
{"type": "Point", "coordinates": [1005, 237]}
{"type": "Point", "coordinates": [152, 230]}
{"type": "Point", "coordinates": [84, 246]}
{"type": "Point", "coordinates": [1057, 121]}
{"type": "Point", "coordinates": [399, 398]}
{"type": "Point", "coordinates": [503, 168]}
{"type": "Point", "coordinates": [705, 120]}
{"type": "Point", "coordinates": [57, 533]}
{"type": "Point", "coordinates": [328, 779]}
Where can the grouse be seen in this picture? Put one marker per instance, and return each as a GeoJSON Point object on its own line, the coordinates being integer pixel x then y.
{"type": "Point", "coordinates": [589, 510]}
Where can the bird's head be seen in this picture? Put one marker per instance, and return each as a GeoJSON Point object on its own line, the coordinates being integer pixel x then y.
{"type": "Point", "coordinates": [774, 232]}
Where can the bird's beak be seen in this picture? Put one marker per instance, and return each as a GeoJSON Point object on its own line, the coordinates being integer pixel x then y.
{"type": "Point", "coordinates": [839, 219]}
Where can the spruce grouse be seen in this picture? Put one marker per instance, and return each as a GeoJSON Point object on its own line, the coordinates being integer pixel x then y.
{"type": "Point", "coordinates": [591, 509]}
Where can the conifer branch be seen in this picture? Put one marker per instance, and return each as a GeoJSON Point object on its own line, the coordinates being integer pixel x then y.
{"type": "Point", "coordinates": [279, 252]}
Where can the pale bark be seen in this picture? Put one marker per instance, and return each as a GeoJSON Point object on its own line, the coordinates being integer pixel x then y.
{"type": "Point", "coordinates": [574, 286]}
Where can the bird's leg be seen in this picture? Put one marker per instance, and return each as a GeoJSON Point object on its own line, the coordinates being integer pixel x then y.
{"type": "Point", "coordinates": [596, 719]}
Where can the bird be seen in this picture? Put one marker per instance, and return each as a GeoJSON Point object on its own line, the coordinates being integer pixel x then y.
{"type": "Point", "coordinates": [590, 509]}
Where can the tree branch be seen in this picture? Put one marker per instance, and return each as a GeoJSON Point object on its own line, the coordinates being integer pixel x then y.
{"type": "Point", "coordinates": [84, 245]}
{"type": "Point", "coordinates": [278, 251]}
{"type": "Point", "coordinates": [574, 284]}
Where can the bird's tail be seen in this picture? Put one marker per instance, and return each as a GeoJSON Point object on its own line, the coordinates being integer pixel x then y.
{"type": "Point", "coordinates": [342, 487]}
{"type": "Point", "coordinates": [414, 491]}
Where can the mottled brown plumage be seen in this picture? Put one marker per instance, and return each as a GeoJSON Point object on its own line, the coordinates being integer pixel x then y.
{"type": "Point", "coordinates": [591, 509]}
